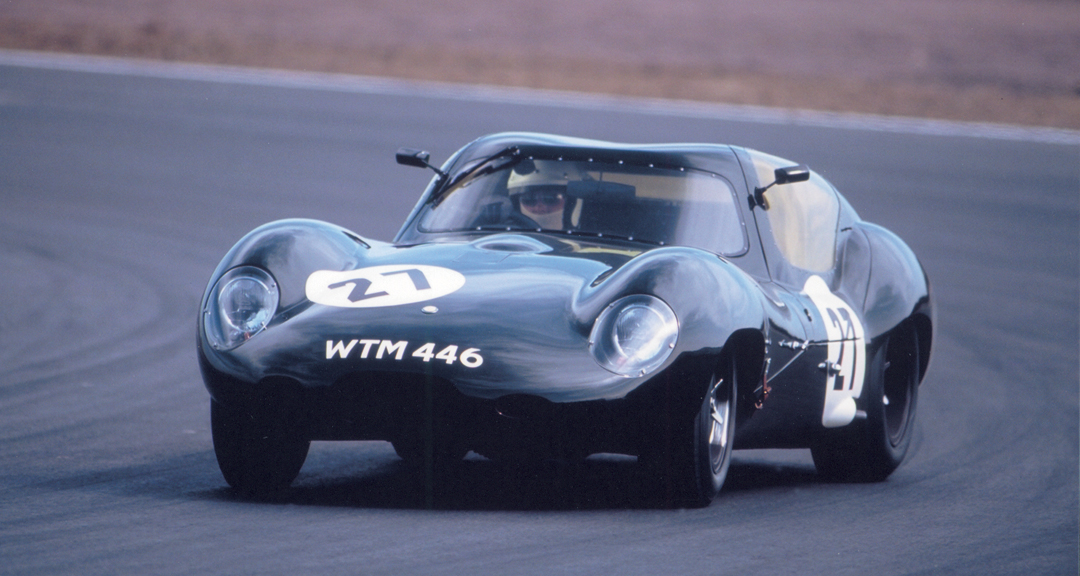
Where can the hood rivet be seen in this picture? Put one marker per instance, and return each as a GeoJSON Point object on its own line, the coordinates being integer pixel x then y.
{"type": "Point", "coordinates": [429, 309]}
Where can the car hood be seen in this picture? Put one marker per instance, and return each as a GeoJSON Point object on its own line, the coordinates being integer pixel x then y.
{"type": "Point", "coordinates": [495, 315]}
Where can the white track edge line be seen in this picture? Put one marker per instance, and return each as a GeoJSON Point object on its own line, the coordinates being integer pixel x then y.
{"type": "Point", "coordinates": [528, 96]}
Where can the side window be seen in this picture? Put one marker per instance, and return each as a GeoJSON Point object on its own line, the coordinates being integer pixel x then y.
{"type": "Point", "coordinates": [803, 216]}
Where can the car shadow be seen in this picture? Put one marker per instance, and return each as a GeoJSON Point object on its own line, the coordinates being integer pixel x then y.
{"type": "Point", "coordinates": [600, 482]}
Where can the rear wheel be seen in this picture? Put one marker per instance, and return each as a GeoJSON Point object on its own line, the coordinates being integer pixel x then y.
{"type": "Point", "coordinates": [256, 453]}
{"type": "Point", "coordinates": [871, 449]}
{"type": "Point", "coordinates": [692, 460]}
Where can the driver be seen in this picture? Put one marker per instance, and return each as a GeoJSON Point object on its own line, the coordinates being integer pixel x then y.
{"type": "Point", "coordinates": [541, 195]}
{"type": "Point", "coordinates": [544, 205]}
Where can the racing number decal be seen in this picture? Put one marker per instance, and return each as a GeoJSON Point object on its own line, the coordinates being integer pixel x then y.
{"type": "Point", "coordinates": [845, 365]}
{"type": "Point", "coordinates": [361, 287]}
{"type": "Point", "coordinates": [843, 320]}
{"type": "Point", "coordinates": [379, 286]}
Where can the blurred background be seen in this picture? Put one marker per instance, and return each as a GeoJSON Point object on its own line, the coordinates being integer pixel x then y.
{"type": "Point", "coordinates": [1009, 61]}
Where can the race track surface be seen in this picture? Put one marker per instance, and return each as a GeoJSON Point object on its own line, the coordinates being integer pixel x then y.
{"type": "Point", "coordinates": [119, 193]}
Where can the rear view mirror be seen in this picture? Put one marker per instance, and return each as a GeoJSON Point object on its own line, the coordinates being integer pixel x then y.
{"type": "Point", "coordinates": [599, 189]}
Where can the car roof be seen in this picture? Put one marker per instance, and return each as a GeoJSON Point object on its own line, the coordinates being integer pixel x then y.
{"type": "Point", "coordinates": [719, 158]}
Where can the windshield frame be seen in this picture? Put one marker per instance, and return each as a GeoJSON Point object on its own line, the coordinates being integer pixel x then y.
{"type": "Point", "coordinates": [479, 169]}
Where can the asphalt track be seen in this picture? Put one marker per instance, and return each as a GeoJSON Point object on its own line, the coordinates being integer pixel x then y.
{"type": "Point", "coordinates": [122, 184]}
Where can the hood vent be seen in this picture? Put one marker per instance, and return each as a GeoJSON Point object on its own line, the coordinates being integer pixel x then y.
{"type": "Point", "coordinates": [512, 243]}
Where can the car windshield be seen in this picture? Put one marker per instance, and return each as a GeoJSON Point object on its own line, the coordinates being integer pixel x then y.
{"type": "Point", "coordinates": [644, 203]}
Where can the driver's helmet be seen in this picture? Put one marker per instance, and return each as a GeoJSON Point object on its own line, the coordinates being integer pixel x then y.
{"type": "Point", "coordinates": [541, 193]}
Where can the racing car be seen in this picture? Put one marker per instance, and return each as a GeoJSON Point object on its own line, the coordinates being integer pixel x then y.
{"type": "Point", "coordinates": [552, 298]}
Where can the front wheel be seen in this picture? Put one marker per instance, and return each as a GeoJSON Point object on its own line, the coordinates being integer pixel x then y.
{"type": "Point", "coordinates": [871, 449]}
{"type": "Point", "coordinates": [256, 454]}
{"type": "Point", "coordinates": [692, 461]}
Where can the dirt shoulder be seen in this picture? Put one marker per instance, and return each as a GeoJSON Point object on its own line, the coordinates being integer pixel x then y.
{"type": "Point", "coordinates": [1007, 61]}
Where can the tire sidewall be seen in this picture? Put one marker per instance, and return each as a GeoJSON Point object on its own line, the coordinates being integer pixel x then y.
{"type": "Point", "coordinates": [899, 356]}
{"type": "Point", "coordinates": [710, 480]}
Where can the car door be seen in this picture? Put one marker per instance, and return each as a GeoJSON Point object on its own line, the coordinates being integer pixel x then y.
{"type": "Point", "coordinates": [803, 236]}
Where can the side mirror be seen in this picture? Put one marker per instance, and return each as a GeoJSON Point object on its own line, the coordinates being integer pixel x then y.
{"type": "Point", "coordinates": [416, 158]}
{"type": "Point", "coordinates": [792, 174]}
{"type": "Point", "coordinates": [413, 157]}
{"type": "Point", "coordinates": [785, 175]}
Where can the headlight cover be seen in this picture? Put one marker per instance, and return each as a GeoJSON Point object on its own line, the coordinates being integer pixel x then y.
{"type": "Point", "coordinates": [634, 335]}
{"type": "Point", "coordinates": [240, 306]}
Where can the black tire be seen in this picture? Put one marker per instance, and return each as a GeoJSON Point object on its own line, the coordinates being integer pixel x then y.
{"type": "Point", "coordinates": [691, 462]}
{"type": "Point", "coordinates": [256, 454]}
{"type": "Point", "coordinates": [428, 435]}
{"type": "Point", "coordinates": [870, 450]}
{"type": "Point", "coordinates": [421, 451]}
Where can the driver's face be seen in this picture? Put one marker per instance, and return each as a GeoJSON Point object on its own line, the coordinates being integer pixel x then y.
{"type": "Point", "coordinates": [542, 201]}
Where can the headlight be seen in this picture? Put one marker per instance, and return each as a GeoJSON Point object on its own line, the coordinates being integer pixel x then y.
{"type": "Point", "coordinates": [634, 335]}
{"type": "Point", "coordinates": [240, 306]}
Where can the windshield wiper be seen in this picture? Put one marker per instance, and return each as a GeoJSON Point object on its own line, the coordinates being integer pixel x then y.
{"type": "Point", "coordinates": [483, 168]}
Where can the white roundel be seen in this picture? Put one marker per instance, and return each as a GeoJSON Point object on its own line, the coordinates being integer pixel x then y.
{"type": "Point", "coordinates": [845, 364]}
{"type": "Point", "coordinates": [380, 286]}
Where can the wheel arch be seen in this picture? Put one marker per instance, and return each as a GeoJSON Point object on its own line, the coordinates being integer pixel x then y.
{"type": "Point", "coordinates": [898, 292]}
{"type": "Point", "coordinates": [746, 348]}
{"type": "Point", "coordinates": [290, 250]}
{"type": "Point", "coordinates": [924, 330]}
